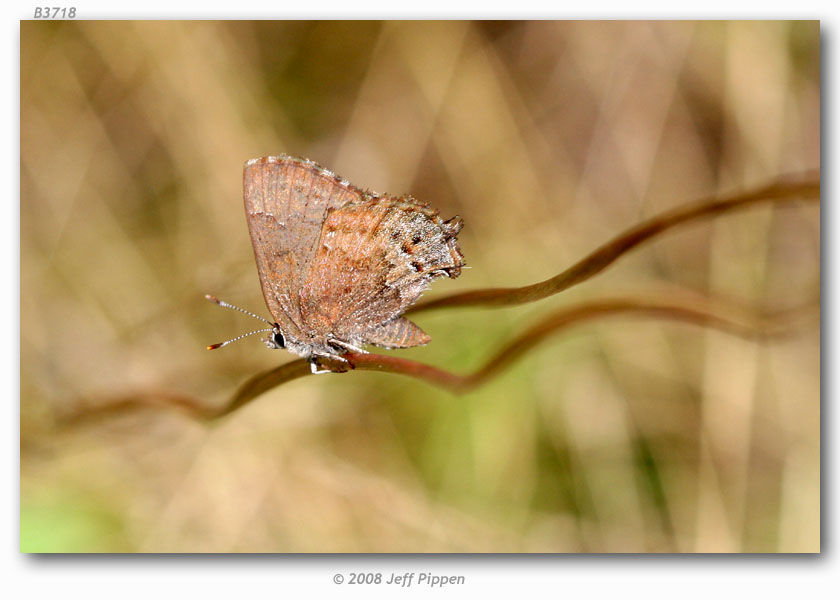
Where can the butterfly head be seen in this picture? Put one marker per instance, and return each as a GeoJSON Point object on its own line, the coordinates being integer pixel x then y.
{"type": "Point", "coordinates": [275, 340]}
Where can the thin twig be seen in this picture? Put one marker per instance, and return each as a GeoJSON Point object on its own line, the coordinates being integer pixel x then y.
{"type": "Point", "coordinates": [684, 308]}
{"type": "Point", "coordinates": [677, 307]}
{"type": "Point", "coordinates": [88, 412]}
{"type": "Point", "coordinates": [806, 188]}
{"type": "Point", "coordinates": [700, 312]}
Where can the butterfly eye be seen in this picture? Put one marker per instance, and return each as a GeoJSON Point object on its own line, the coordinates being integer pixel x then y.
{"type": "Point", "coordinates": [278, 339]}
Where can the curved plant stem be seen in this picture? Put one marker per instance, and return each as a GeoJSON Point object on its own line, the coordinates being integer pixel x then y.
{"type": "Point", "coordinates": [805, 188]}
{"type": "Point", "coordinates": [679, 307]}
{"type": "Point", "coordinates": [116, 406]}
{"type": "Point", "coordinates": [740, 325]}
{"type": "Point", "coordinates": [689, 309]}
{"type": "Point", "coordinates": [190, 406]}
{"type": "Point", "coordinates": [676, 307]}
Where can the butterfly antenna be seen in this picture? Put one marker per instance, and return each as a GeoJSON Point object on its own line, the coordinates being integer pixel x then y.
{"type": "Point", "coordinates": [220, 344]}
{"type": "Point", "coordinates": [242, 310]}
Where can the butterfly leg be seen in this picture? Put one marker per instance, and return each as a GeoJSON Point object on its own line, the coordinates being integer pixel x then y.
{"type": "Point", "coordinates": [346, 345]}
{"type": "Point", "coordinates": [313, 364]}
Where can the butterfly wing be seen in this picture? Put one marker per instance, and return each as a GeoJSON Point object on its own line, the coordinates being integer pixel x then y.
{"type": "Point", "coordinates": [374, 259]}
{"type": "Point", "coordinates": [397, 333]}
{"type": "Point", "coordinates": [286, 202]}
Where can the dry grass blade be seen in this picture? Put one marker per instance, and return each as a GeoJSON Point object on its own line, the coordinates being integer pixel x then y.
{"type": "Point", "coordinates": [787, 190]}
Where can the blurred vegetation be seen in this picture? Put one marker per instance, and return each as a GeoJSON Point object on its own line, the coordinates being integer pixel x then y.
{"type": "Point", "coordinates": [548, 138]}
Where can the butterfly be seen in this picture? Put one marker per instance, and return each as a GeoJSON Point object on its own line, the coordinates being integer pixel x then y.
{"type": "Point", "coordinates": [339, 265]}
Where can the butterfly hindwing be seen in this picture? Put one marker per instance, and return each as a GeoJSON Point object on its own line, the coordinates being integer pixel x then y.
{"type": "Point", "coordinates": [374, 258]}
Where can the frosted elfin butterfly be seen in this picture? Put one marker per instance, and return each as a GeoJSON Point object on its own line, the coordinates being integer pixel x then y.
{"type": "Point", "coordinates": [338, 265]}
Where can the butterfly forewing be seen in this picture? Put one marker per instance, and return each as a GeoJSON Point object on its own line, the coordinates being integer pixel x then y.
{"type": "Point", "coordinates": [286, 202]}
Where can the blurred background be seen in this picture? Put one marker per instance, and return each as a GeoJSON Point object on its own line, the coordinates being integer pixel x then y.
{"type": "Point", "coordinates": [548, 138]}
